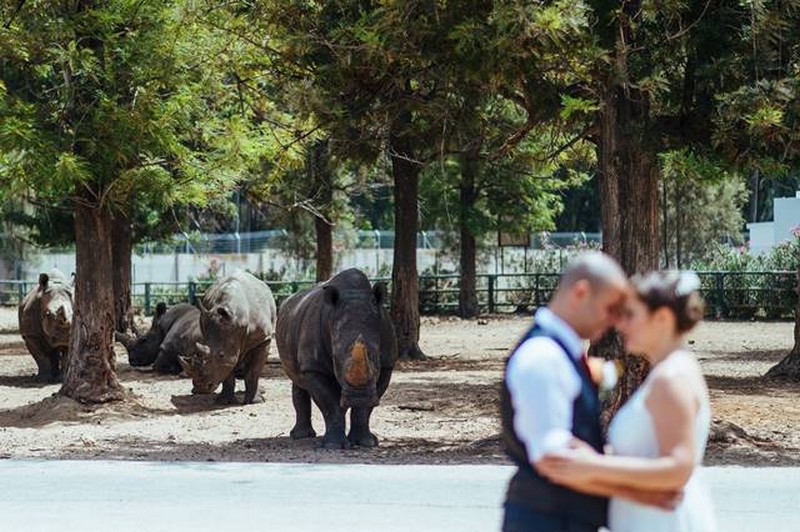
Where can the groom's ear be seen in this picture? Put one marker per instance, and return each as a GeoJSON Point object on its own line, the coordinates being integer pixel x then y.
{"type": "Point", "coordinates": [581, 289]}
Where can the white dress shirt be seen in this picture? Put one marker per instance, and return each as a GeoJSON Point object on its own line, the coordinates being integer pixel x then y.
{"type": "Point", "coordinates": [544, 385]}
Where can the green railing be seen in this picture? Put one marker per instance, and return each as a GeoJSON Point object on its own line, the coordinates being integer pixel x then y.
{"type": "Point", "coordinates": [730, 295]}
{"type": "Point", "coordinates": [145, 296]}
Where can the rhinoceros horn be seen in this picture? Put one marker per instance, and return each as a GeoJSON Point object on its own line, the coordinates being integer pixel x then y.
{"type": "Point", "coordinates": [124, 339]}
{"type": "Point", "coordinates": [187, 365]}
{"type": "Point", "coordinates": [203, 349]}
{"type": "Point", "coordinates": [358, 372]}
{"type": "Point", "coordinates": [203, 309]}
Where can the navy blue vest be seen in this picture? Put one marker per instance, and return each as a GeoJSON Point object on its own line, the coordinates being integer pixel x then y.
{"type": "Point", "coordinates": [528, 488]}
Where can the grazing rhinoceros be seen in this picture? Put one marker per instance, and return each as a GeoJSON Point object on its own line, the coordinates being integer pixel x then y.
{"type": "Point", "coordinates": [337, 345]}
{"type": "Point", "coordinates": [174, 332]}
{"type": "Point", "coordinates": [45, 321]}
{"type": "Point", "coordinates": [237, 322]}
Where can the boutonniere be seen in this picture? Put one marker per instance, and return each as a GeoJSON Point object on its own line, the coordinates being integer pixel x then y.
{"type": "Point", "coordinates": [605, 374]}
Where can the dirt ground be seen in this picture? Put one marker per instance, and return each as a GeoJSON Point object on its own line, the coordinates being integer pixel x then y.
{"type": "Point", "coordinates": [444, 410]}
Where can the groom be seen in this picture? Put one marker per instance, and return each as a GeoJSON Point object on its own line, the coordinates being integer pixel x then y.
{"type": "Point", "coordinates": [549, 398]}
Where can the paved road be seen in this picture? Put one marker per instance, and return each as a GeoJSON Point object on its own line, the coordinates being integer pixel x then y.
{"type": "Point", "coordinates": [91, 496]}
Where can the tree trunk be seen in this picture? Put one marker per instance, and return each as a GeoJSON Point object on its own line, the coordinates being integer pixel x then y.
{"type": "Point", "coordinates": [638, 184]}
{"type": "Point", "coordinates": [467, 292]}
{"type": "Point", "coordinates": [629, 212]}
{"type": "Point", "coordinates": [789, 367]}
{"type": "Point", "coordinates": [678, 224]}
{"type": "Point", "coordinates": [322, 186]}
{"type": "Point", "coordinates": [324, 232]}
{"type": "Point", "coordinates": [755, 182]}
{"type": "Point", "coordinates": [664, 223]}
{"type": "Point", "coordinates": [121, 250]}
{"type": "Point", "coordinates": [90, 375]}
{"type": "Point", "coordinates": [608, 180]}
{"type": "Point", "coordinates": [405, 280]}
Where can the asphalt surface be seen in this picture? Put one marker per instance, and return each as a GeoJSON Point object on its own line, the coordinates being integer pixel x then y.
{"type": "Point", "coordinates": [89, 496]}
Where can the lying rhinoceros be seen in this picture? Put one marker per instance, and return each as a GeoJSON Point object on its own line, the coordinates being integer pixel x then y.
{"type": "Point", "coordinates": [237, 322]}
{"type": "Point", "coordinates": [45, 321]}
{"type": "Point", "coordinates": [174, 332]}
{"type": "Point", "coordinates": [337, 345]}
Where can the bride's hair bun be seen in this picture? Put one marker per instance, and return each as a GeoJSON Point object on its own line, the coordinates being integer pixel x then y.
{"type": "Point", "coordinates": [676, 290]}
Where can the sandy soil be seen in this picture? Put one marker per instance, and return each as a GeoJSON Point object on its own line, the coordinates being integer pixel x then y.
{"type": "Point", "coordinates": [439, 411]}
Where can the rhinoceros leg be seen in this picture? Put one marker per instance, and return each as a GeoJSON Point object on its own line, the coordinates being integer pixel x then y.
{"type": "Point", "coordinates": [326, 394]}
{"type": "Point", "coordinates": [252, 372]}
{"type": "Point", "coordinates": [359, 417]}
{"type": "Point", "coordinates": [47, 360]}
{"type": "Point", "coordinates": [359, 428]}
{"type": "Point", "coordinates": [226, 396]}
{"type": "Point", "coordinates": [302, 409]}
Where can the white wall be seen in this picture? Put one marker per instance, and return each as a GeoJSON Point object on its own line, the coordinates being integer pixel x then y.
{"type": "Point", "coordinates": [762, 236]}
{"type": "Point", "coordinates": [766, 235]}
{"type": "Point", "coordinates": [182, 267]}
{"type": "Point", "coordinates": [787, 217]}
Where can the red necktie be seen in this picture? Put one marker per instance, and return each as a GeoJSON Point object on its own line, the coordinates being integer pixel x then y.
{"type": "Point", "coordinates": [585, 364]}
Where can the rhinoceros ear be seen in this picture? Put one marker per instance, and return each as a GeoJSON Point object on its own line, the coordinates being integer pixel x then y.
{"type": "Point", "coordinates": [331, 295]}
{"type": "Point", "coordinates": [44, 280]}
{"type": "Point", "coordinates": [379, 291]}
{"type": "Point", "coordinates": [161, 309]}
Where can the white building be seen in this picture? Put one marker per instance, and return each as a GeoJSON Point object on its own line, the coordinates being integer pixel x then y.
{"type": "Point", "coordinates": [766, 235]}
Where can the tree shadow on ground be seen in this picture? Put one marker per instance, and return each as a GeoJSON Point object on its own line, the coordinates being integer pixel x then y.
{"type": "Point", "coordinates": [766, 356]}
{"type": "Point", "coordinates": [446, 398]}
{"type": "Point", "coordinates": [128, 373]}
{"type": "Point", "coordinates": [60, 409]}
{"type": "Point", "coordinates": [24, 381]}
{"type": "Point", "coordinates": [452, 363]}
{"type": "Point", "coordinates": [282, 448]}
{"type": "Point", "coordinates": [757, 385]}
{"type": "Point", "coordinates": [199, 403]}
{"type": "Point", "coordinates": [16, 348]}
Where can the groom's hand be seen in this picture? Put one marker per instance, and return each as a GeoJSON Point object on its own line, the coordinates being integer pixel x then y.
{"type": "Point", "coordinates": [664, 500]}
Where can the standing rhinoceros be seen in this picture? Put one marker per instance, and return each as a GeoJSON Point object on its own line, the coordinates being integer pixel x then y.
{"type": "Point", "coordinates": [237, 322]}
{"type": "Point", "coordinates": [174, 332]}
{"type": "Point", "coordinates": [337, 345]}
{"type": "Point", "coordinates": [45, 321]}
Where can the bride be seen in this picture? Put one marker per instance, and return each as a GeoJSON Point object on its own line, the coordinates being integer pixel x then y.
{"type": "Point", "coordinates": [659, 436]}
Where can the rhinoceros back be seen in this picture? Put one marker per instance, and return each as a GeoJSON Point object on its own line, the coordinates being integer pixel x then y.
{"type": "Point", "coordinates": [251, 301]}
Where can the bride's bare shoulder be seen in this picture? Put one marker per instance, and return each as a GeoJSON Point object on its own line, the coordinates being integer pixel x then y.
{"type": "Point", "coordinates": [680, 364]}
{"type": "Point", "coordinates": [679, 379]}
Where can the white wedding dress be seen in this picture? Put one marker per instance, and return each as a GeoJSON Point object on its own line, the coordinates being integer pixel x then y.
{"type": "Point", "coordinates": [632, 433]}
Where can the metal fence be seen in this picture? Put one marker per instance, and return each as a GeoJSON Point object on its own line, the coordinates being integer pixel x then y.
{"type": "Point", "coordinates": [730, 295]}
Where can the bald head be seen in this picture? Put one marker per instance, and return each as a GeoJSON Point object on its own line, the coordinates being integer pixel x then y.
{"type": "Point", "coordinates": [590, 294]}
{"type": "Point", "coordinates": [596, 268]}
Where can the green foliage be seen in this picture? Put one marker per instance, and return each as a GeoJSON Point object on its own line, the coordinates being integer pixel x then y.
{"type": "Point", "coordinates": [757, 123]}
{"type": "Point", "coordinates": [117, 101]}
{"type": "Point", "coordinates": [749, 295]}
{"type": "Point", "coordinates": [783, 257]}
{"type": "Point", "coordinates": [701, 203]}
